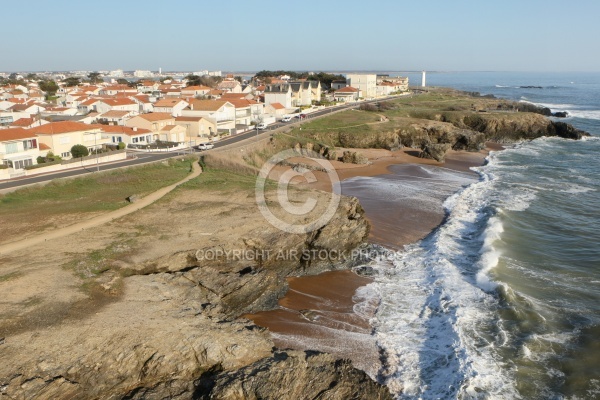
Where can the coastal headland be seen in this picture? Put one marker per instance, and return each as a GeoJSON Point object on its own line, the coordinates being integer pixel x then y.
{"type": "Point", "coordinates": [155, 304]}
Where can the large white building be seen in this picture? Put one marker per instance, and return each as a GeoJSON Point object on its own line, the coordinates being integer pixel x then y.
{"type": "Point", "coordinates": [143, 74]}
{"type": "Point", "coordinates": [366, 83]}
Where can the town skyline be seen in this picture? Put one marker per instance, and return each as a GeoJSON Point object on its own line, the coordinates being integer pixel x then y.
{"type": "Point", "coordinates": [334, 36]}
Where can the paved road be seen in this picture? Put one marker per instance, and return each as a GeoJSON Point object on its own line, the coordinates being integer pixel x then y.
{"type": "Point", "coordinates": [142, 158]}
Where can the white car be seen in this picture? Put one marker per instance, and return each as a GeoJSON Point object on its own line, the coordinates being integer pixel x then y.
{"type": "Point", "coordinates": [262, 125]}
{"type": "Point", "coordinates": [287, 118]}
{"type": "Point", "coordinates": [205, 146]}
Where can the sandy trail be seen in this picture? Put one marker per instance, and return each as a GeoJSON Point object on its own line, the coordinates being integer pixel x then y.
{"type": "Point", "coordinates": [99, 220]}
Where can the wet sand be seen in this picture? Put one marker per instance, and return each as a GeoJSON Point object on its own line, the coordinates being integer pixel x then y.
{"type": "Point", "coordinates": [317, 313]}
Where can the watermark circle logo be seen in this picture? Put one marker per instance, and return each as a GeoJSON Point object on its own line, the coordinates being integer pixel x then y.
{"type": "Point", "coordinates": [291, 214]}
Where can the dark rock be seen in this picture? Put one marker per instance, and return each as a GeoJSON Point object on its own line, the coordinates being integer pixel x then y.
{"type": "Point", "coordinates": [560, 114]}
{"type": "Point", "coordinates": [566, 131]}
{"type": "Point", "coordinates": [435, 151]}
{"type": "Point", "coordinates": [133, 198]}
{"type": "Point", "coordinates": [292, 375]}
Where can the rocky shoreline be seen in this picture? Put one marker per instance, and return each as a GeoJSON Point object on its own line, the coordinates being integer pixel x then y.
{"type": "Point", "coordinates": [149, 306]}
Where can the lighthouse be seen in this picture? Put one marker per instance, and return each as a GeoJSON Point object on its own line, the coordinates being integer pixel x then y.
{"type": "Point", "coordinates": [423, 78]}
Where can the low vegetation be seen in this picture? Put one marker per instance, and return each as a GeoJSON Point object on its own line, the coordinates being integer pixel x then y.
{"type": "Point", "coordinates": [65, 201]}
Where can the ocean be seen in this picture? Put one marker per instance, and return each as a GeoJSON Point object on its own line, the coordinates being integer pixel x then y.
{"type": "Point", "coordinates": [502, 301]}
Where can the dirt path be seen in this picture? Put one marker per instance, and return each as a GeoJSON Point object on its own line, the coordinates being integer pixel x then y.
{"type": "Point", "coordinates": [99, 220]}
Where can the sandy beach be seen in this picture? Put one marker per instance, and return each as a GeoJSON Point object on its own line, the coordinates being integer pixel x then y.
{"type": "Point", "coordinates": [318, 313]}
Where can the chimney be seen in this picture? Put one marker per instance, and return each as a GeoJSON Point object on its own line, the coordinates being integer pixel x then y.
{"type": "Point", "coordinates": [135, 128]}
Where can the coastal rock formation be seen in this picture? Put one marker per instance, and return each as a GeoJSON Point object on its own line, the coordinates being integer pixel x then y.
{"type": "Point", "coordinates": [292, 375]}
{"type": "Point", "coordinates": [161, 314]}
{"type": "Point", "coordinates": [436, 151]}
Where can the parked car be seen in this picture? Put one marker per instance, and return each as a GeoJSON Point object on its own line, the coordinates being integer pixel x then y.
{"type": "Point", "coordinates": [287, 118]}
{"type": "Point", "coordinates": [262, 125]}
{"type": "Point", "coordinates": [204, 146]}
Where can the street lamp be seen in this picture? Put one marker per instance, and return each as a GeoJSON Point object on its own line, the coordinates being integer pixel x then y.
{"type": "Point", "coordinates": [95, 149]}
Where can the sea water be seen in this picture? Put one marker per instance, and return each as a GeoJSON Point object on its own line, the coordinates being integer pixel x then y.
{"type": "Point", "coordinates": [502, 301]}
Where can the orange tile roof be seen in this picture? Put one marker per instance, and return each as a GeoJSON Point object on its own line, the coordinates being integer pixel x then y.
{"type": "Point", "coordinates": [15, 134]}
{"type": "Point", "coordinates": [44, 146]}
{"type": "Point", "coordinates": [347, 89]}
{"type": "Point", "coordinates": [118, 102]}
{"type": "Point", "coordinates": [195, 88]}
{"type": "Point", "coordinates": [188, 119]}
{"type": "Point", "coordinates": [114, 114]}
{"type": "Point", "coordinates": [121, 129]}
{"type": "Point", "coordinates": [54, 128]}
{"type": "Point", "coordinates": [23, 122]}
{"type": "Point", "coordinates": [167, 102]}
{"type": "Point", "coordinates": [277, 106]}
{"type": "Point", "coordinates": [157, 116]}
{"type": "Point", "coordinates": [207, 105]}
{"type": "Point", "coordinates": [242, 103]}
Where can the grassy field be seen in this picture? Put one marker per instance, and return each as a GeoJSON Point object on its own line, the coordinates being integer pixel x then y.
{"type": "Point", "coordinates": [65, 201]}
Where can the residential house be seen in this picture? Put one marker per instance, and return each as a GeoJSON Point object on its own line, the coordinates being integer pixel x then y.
{"type": "Point", "coordinates": [400, 83]}
{"type": "Point", "coordinates": [347, 94]}
{"type": "Point", "coordinates": [27, 123]}
{"type": "Point", "coordinates": [123, 134]}
{"type": "Point", "coordinates": [195, 91]}
{"type": "Point", "coordinates": [28, 108]}
{"type": "Point", "coordinates": [276, 109]}
{"type": "Point", "coordinates": [279, 93]}
{"type": "Point", "coordinates": [87, 106]}
{"type": "Point", "coordinates": [246, 112]}
{"type": "Point", "coordinates": [115, 117]}
{"type": "Point", "coordinates": [148, 86]}
{"type": "Point", "coordinates": [221, 112]}
{"type": "Point", "coordinates": [172, 133]}
{"type": "Point", "coordinates": [19, 148]}
{"type": "Point", "coordinates": [244, 96]}
{"type": "Point", "coordinates": [230, 85]}
{"type": "Point", "coordinates": [366, 83]}
{"type": "Point", "coordinates": [61, 136]}
{"type": "Point", "coordinates": [144, 102]}
{"type": "Point", "coordinates": [305, 92]}
{"type": "Point", "coordinates": [154, 122]}
{"type": "Point", "coordinates": [114, 90]}
{"type": "Point", "coordinates": [172, 106]}
{"type": "Point", "coordinates": [336, 85]}
{"type": "Point", "coordinates": [197, 126]}
{"type": "Point", "coordinates": [119, 104]}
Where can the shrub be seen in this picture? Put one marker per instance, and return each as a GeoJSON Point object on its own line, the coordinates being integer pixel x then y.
{"type": "Point", "coordinates": [121, 145]}
{"type": "Point", "coordinates": [79, 150]}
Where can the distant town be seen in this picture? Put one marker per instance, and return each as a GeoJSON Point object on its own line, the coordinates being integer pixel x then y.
{"type": "Point", "coordinates": [49, 120]}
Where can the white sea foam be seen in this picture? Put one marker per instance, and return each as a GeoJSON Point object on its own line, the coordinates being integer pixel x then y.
{"type": "Point", "coordinates": [574, 189]}
{"type": "Point", "coordinates": [436, 311]}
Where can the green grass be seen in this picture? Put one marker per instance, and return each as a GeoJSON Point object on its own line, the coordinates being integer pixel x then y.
{"type": "Point", "coordinates": [220, 180]}
{"type": "Point", "coordinates": [36, 207]}
{"type": "Point", "coordinates": [345, 119]}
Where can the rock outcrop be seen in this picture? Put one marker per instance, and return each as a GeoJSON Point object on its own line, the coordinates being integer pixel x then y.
{"type": "Point", "coordinates": [292, 375]}
{"type": "Point", "coordinates": [161, 315]}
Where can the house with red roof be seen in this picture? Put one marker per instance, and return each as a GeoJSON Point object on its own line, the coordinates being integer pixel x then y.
{"type": "Point", "coordinates": [123, 134]}
{"type": "Point", "coordinates": [222, 113]}
{"type": "Point", "coordinates": [116, 104]}
{"type": "Point", "coordinates": [195, 91]}
{"type": "Point", "coordinates": [347, 94]}
{"type": "Point", "coordinates": [197, 127]}
{"type": "Point", "coordinates": [170, 105]}
{"type": "Point", "coordinates": [61, 136]}
{"type": "Point", "coordinates": [154, 122]}
{"type": "Point", "coordinates": [19, 148]}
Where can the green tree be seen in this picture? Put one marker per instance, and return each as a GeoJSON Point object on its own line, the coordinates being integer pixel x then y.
{"type": "Point", "coordinates": [122, 81]}
{"type": "Point", "coordinates": [48, 86]}
{"type": "Point", "coordinates": [79, 150]}
{"type": "Point", "coordinates": [95, 77]}
{"type": "Point", "coordinates": [72, 81]}
{"type": "Point", "coordinates": [32, 76]}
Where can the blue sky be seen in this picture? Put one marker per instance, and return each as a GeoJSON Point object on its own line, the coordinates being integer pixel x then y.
{"type": "Point", "coordinates": [328, 35]}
